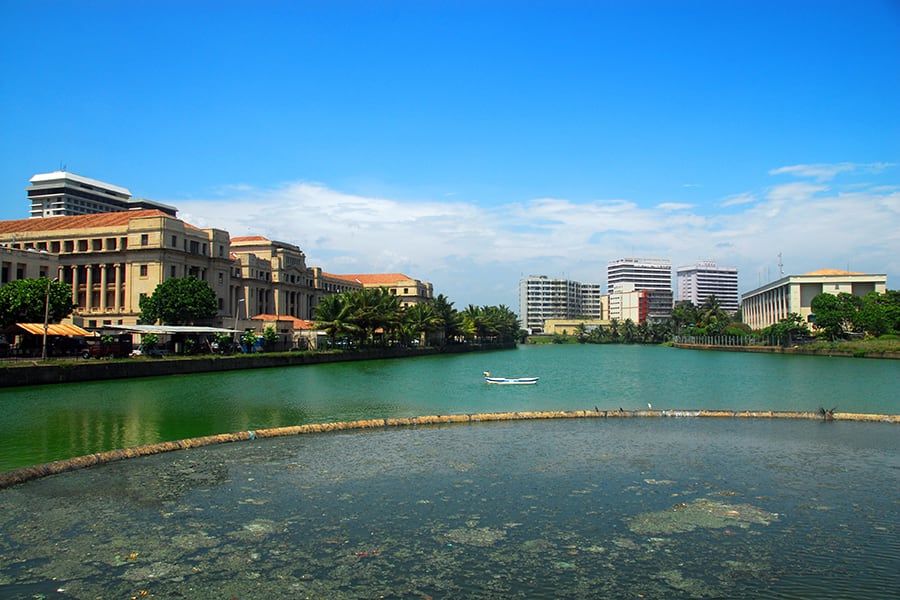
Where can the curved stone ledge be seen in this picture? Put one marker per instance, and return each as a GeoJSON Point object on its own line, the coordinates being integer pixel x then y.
{"type": "Point", "coordinates": [14, 477]}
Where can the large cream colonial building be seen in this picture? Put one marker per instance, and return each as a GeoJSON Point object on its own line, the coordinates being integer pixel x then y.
{"type": "Point", "coordinates": [113, 250]}
{"type": "Point", "coordinates": [773, 302]}
{"type": "Point", "coordinates": [112, 259]}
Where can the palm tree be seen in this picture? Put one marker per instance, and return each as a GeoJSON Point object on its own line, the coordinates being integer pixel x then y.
{"type": "Point", "coordinates": [449, 319]}
{"type": "Point", "coordinates": [333, 315]}
{"type": "Point", "coordinates": [420, 320]}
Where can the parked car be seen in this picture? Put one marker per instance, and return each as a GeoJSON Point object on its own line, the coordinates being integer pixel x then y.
{"type": "Point", "coordinates": [120, 347]}
{"type": "Point", "coordinates": [154, 351]}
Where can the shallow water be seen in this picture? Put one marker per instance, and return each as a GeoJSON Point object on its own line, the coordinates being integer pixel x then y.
{"type": "Point", "coordinates": [45, 423]}
{"type": "Point", "coordinates": [619, 508]}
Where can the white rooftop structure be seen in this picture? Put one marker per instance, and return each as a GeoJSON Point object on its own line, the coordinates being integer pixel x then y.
{"type": "Point", "coordinates": [64, 194]}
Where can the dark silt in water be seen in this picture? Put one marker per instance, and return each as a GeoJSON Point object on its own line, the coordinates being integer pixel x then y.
{"type": "Point", "coordinates": [572, 508]}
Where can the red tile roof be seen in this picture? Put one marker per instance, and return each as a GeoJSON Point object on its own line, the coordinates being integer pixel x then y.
{"type": "Point", "coordinates": [375, 279]}
{"type": "Point", "coordinates": [298, 323]}
{"type": "Point", "coordinates": [821, 272]}
{"type": "Point", "coordinates": [110, 219]}
{"type": "Point", "coordinates": [250, 238]}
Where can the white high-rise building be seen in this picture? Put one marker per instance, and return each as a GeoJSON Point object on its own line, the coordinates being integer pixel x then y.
{"type": "Point", "coordinates": [651, 274]}
{"type": "Point", "coordinates": [64, 194]}
{"type": "Point", "coordinates": [542, 298]}
{"type": "Point", "coordinates": [699, 281]}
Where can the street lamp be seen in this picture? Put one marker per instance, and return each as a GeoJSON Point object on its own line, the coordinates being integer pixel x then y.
{"type": "Point", "coordinates": [237, 311]}
{"type": "Point", "coordinates": [46, 316]}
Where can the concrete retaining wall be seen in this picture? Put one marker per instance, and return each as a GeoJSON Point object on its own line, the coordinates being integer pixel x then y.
{"type": "Point", "coordinates": [36, 373]}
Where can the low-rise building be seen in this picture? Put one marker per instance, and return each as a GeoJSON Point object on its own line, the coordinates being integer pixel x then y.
{"type": "Point", "coordinates": [773, 302]}
{"type": "Point", "coordinates": [409, 290]}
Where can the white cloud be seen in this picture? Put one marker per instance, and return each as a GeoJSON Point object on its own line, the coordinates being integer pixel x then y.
{"type": "Point", "coordinates": [826, 172]}
{"type": "Point", "coordinates": [737, 199]}
{"type": "Point", "coordinates": [476, 254]}
{"type": "Point", "coordinates": [673, 206]}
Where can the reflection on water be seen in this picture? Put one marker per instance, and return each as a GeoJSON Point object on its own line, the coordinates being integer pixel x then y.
{"type": "Point", "coordinates": [654, 508]}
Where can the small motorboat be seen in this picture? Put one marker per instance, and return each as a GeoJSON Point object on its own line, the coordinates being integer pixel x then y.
{"type": "Point", "coordinates": [510, 380]}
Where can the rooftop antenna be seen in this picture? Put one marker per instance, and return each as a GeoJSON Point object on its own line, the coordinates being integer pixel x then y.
{"type": "Point", "coordinates": [780, 266]}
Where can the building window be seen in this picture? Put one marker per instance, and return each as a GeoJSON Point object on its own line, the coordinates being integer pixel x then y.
{"type": "Point", "coordinates": [173, 272]}
{"type": "Point", "coordinates": [143, 270]}
{"type": "Point", "coordinates": [145, 239]}
{"type": "Point", "coordinates": [174, 241]}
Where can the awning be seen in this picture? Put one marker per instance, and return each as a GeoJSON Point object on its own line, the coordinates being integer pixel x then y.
{"type": "Point", "coordinates": [52, 329]}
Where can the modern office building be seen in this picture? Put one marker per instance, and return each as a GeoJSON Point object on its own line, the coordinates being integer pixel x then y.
{"type": "Point", "coordinates": [651, 274]}
{"type": "Point", "coordinates": [773, 302]}
{"type": "Point", "coordinates": [64, 194]}
{"type": "Point", "coordinates": [627, 303]}
{"type": "Point", "coordinates": [701, 280]}
{"type": "Point", "coordinates": [542, 298]}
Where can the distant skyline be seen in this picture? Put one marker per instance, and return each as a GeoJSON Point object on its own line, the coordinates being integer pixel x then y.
{"type": "Point", "coordinates": [471, 144]}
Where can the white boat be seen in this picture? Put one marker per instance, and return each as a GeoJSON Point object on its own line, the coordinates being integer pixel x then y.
{"type": "Point", "coordinates": [510, 380]}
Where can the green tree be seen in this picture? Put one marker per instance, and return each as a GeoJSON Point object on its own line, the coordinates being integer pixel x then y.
{"type": "Point", "coordinates": [836, 314]}
{"type": "Point", "coordinates": [179, 301]}
{"type": "Point", "coordinates": [420, 320]}
{"type": "Point", "coordinates": [249, 339]}
{"type": "Point", "coordinates": [880, 313]}
{"type": "Point", "coordinates": [450, 321]}
{"type": "Point", "coordinates": [788, 329]}
{"type": "Point", "coordinates": [24, 301]}
{"type": "Point", "coordinates": [149, 341]}
{"type": "Point", "coordinates": [270, 336]}
{"type": "Point", "coordinates": [333, 316]}
{"type": "Point", "coordinates": [684, 316]}
{"type": "Point", "coordinates": [712, 318]}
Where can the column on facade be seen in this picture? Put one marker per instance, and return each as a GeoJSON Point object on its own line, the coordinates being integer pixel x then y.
{"type": "Point", "coordinates": [103, 285]}
{"type": "Point", "coordinates": [74, 284]}
{"type": "Point", "coordinates": [117, 282]}
{"type": "Point", "coordinates": [88, 289]}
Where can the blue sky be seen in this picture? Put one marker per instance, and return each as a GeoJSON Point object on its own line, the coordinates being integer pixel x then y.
{"type": "Point", "coordinates": [473, 143]}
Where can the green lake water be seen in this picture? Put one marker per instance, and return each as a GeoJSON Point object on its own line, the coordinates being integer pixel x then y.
{"type": "Point", "coordinates": [44, 423]}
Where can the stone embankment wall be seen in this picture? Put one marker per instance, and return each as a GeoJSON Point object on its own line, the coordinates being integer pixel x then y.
{"type": "Point", "coordinates": [71, 371]}
{"type": "Point", "coordinates": [9, 478]}
{"type": "Point", "coordinates": [787, 350]}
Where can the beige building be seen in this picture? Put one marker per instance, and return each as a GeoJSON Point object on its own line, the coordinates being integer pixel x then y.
{"type": "Point", "coordinates": [274, 278]}
{"type": "Point", "coordinates": [771, 303]}
{"type": "Point", "coordinates": [25, 264]}
{"type": "Point", "coordinates": [112, 259]}
{"type": "Point", "coordinates": [572, 326]}
{"type": "Point", "coordinates": [410, 291]}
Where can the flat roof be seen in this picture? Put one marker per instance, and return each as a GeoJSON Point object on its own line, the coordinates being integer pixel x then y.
{"type": "Point", "coordinates": [65, 175]}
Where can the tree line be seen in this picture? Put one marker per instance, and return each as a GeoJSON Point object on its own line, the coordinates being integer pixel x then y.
{"type": "Point", "coordinates": [376, 317]}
